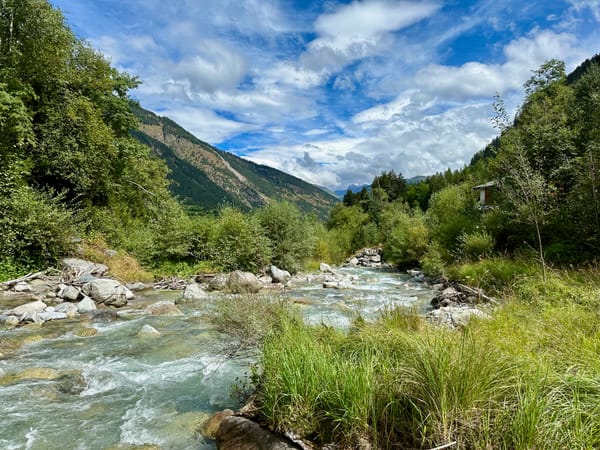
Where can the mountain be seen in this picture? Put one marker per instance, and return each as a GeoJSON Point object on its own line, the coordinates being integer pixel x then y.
{"type": "Point", "coordinates": [206, 178]}
{"type": "Point", "coordinates": [354, 188]}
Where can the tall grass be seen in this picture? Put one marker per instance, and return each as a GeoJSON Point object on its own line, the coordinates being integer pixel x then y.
{"type": "Point", "coordinates": [527, 378]}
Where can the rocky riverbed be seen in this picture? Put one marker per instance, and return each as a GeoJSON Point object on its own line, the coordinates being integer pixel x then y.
{"type": "Point", "coordinates": [88, 362]}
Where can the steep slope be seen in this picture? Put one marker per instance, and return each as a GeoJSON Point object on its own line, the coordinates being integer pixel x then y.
{"type": "Point", "coordinates": [205, 177]}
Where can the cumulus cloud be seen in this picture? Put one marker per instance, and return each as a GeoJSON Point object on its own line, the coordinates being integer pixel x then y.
{"type": "Point", "coordinates": [336, 92]}
{"type": "Point", "coordinates": [214, 68]}
{"type": "Point", "coordinates": [205, 123]}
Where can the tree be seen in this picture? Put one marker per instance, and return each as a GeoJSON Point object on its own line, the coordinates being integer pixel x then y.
{"type": "Point", "coordinates": [529, 196]}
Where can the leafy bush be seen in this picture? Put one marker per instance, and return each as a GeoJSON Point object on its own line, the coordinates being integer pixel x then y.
{"type": "Point", "coordinates": [236, 241]}
{"type": "Point", "coordinates": [291, 235]}
{"type": "Point", "coordinates": [452, 211]}
{"type": "Point", "coordinates": [476, 245]}
{"type": "Point", "coordinates": [34, 229]}
{"type": "Point", "coordinates": [433, 262]}
{"type": "Point", "coordinates": [407, 242]}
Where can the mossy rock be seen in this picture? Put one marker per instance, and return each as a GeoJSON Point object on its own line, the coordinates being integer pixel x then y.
{"type": "Point", "coordinates": [33, 373]}
{"type": "Point", "coordinates": [85, 331]}
{"type": "Point", "coordinates": [11, 345]}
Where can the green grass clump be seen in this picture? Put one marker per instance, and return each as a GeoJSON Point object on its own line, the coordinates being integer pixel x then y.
{"type": "Point", "coordinates": [527, 378]}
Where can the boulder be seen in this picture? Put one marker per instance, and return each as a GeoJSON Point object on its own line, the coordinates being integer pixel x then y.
{"type": "Point", "coordinates": [194, 291]}
{"type": "Point", "coordinates": [278, 275]}
{"type": "Point", "coordinates": [455, 316]}
{"type": "Point", "coordinates": [28, 308]}
{"type": "Point", "coordinates": [22, 286]}
{"type": "Point", "coordinates": [448, 297]}
{"type": "Point", "coordinates": [235, 432]}
{"type": "Point", "coordinates": [66, 307]}
{"type": "Point", "coordinates": [81, 267]}
{"type": "Point", "coordinates": [51, 315]}
{"type": "Point", "coordinates": [148, 330]}
{"type": "Point", "coordinates": [324, 267]}
{"type": "Point", "coordinates": [218, 282]}
{"type": "Point", "coordinates": [139, 286]}
{"type": "Point", "coordinates": [164, 308]}
{"type": "Point", "coordinates": [107, 291]}
{"type": "Point", "coordinates": [69, 293]}
{"type": "Point", "coordinates": [86, 305]}
{"type": "Point", "coordinates": [240, 282]}
{"type": "Point", "coordinates": [9, 321]}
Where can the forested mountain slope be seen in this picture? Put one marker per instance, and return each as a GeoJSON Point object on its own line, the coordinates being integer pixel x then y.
{"type": "Point", "coordinates": [206, 177]}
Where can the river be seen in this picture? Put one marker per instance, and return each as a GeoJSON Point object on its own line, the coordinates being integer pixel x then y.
{"type": "Point", "coordinates": [118, 388]}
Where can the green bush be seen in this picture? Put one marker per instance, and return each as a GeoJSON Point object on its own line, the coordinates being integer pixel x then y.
{"type": "Point", "coordinates": [452, 212]}
{"type": "Point", "coordinates": [236, 241]}
{"type": "Point", "coordinates": [476, 245]}
{"type": "Point", "coordinates": [433, 262]}
{"type": "Point", "coordinates": [408, 239]}
{"type": "Point", "coordinates": [291, 235]}
{"type": "Point", "coordinates": [34, 229]}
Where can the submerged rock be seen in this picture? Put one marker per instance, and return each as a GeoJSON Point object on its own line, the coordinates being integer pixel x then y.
{"type": "Point", "coordinates": [148, 330]}
{"type": "Point", "coordinates": [32, 373]}
{"type": "Point", "coordinates": [164, 308]}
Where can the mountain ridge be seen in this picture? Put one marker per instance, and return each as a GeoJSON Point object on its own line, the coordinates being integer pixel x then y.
{"type": "Point", "coordinates": [205, 177]}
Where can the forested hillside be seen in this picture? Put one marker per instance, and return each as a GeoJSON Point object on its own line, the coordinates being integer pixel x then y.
{"type": "Point", "coordinates": [73, 171]}
{"type": "Point", "coordinates": [207, 178]}
{"type": "Point", "coordinates": [545, 175]}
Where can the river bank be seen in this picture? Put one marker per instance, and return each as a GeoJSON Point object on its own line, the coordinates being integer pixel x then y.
{"type": "Point", "coordinates": [149, 372]}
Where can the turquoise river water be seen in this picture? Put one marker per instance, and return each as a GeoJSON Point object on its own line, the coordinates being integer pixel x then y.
{"type": "Point", "coordinates": [117, 388]}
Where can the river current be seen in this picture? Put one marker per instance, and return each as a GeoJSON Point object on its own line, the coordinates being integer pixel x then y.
{"type": "Point", "coordinates": [119, 388]}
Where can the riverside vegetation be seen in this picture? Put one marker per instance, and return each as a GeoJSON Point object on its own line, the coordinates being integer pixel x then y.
{"type": "Point", "coordinates": [528, 377]}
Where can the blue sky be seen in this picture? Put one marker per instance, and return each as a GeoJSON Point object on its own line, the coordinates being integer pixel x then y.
{"type": "Point", "coordinates": [334, 92]}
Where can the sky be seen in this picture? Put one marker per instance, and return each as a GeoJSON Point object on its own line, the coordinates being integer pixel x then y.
{"type": "Point", "coordinates": [335, 92]}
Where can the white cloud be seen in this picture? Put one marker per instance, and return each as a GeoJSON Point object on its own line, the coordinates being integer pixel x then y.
{"type": "Point", "coordinates": [205, 124]}
{"type": "Point", "coordinates": [366, 19]}
{"type": "Point", "coordinates": [477, 80]}
{"type": "Point", "coordinates": [214, 68]}
{"type": "Point", "coordinates": [592, 5]}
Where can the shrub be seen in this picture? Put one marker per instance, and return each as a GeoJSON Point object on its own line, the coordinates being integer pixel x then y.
{"type": "Point", "coordinates": [476, 245]}
{"type": "Point", "coordinates": [34, 229]}
{"type": "Point", "coordinates": [452, 211]}
{"type": "Point", "coordinates": [408, 238]}
{"type": "Point", "coordinates": [236, 241]}
{"type": "Point", "coordinates": [290, 234]}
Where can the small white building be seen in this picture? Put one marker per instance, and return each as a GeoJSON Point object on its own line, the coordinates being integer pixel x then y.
{"type": "Point", "coordinates": [485, 194]}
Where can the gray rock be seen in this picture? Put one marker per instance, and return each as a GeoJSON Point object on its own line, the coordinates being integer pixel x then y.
{"type": "Point", "coordinates": [148, 330]}
{"type": "Point", "coordinates": [194, 291]}
{"type": "Point", "coordinates": [455, 316]}
{"type": "Point", "coordinates": [235, 433]}
{"type": "Point", "coordinates": [107, 291]}
{"type": "Point", "coordinates": [164, 308]}
{"type": "Point", "coordinates": [353, 262]}
{"type": "Point", "coordinates": [22, 286]}
{"type": "Point", "coordinates": [9, 321]}
{"type": "Point", "coordinates": [28, 308]}
{"type": "Point", "coordinates": [240, 282]}
{"type": "Point", "coordinates": [139, 286]}
{"type": "Point", "coordinates": [81, 267]}
{"type": "Point", "coordinates": [86, 305]}
{"type": "Point", "coordinates": [324, 267]}
{"type": "Point", "coordinates": [51, 315]}
{"type": "Point", "coordinates": [278, 275]}
{"type": "Point", "coordinates": [69, 293]}
{"type": "Point", "coordinates": [218, 282]}
{"type": "Point", "coordinates": [65, 307]}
